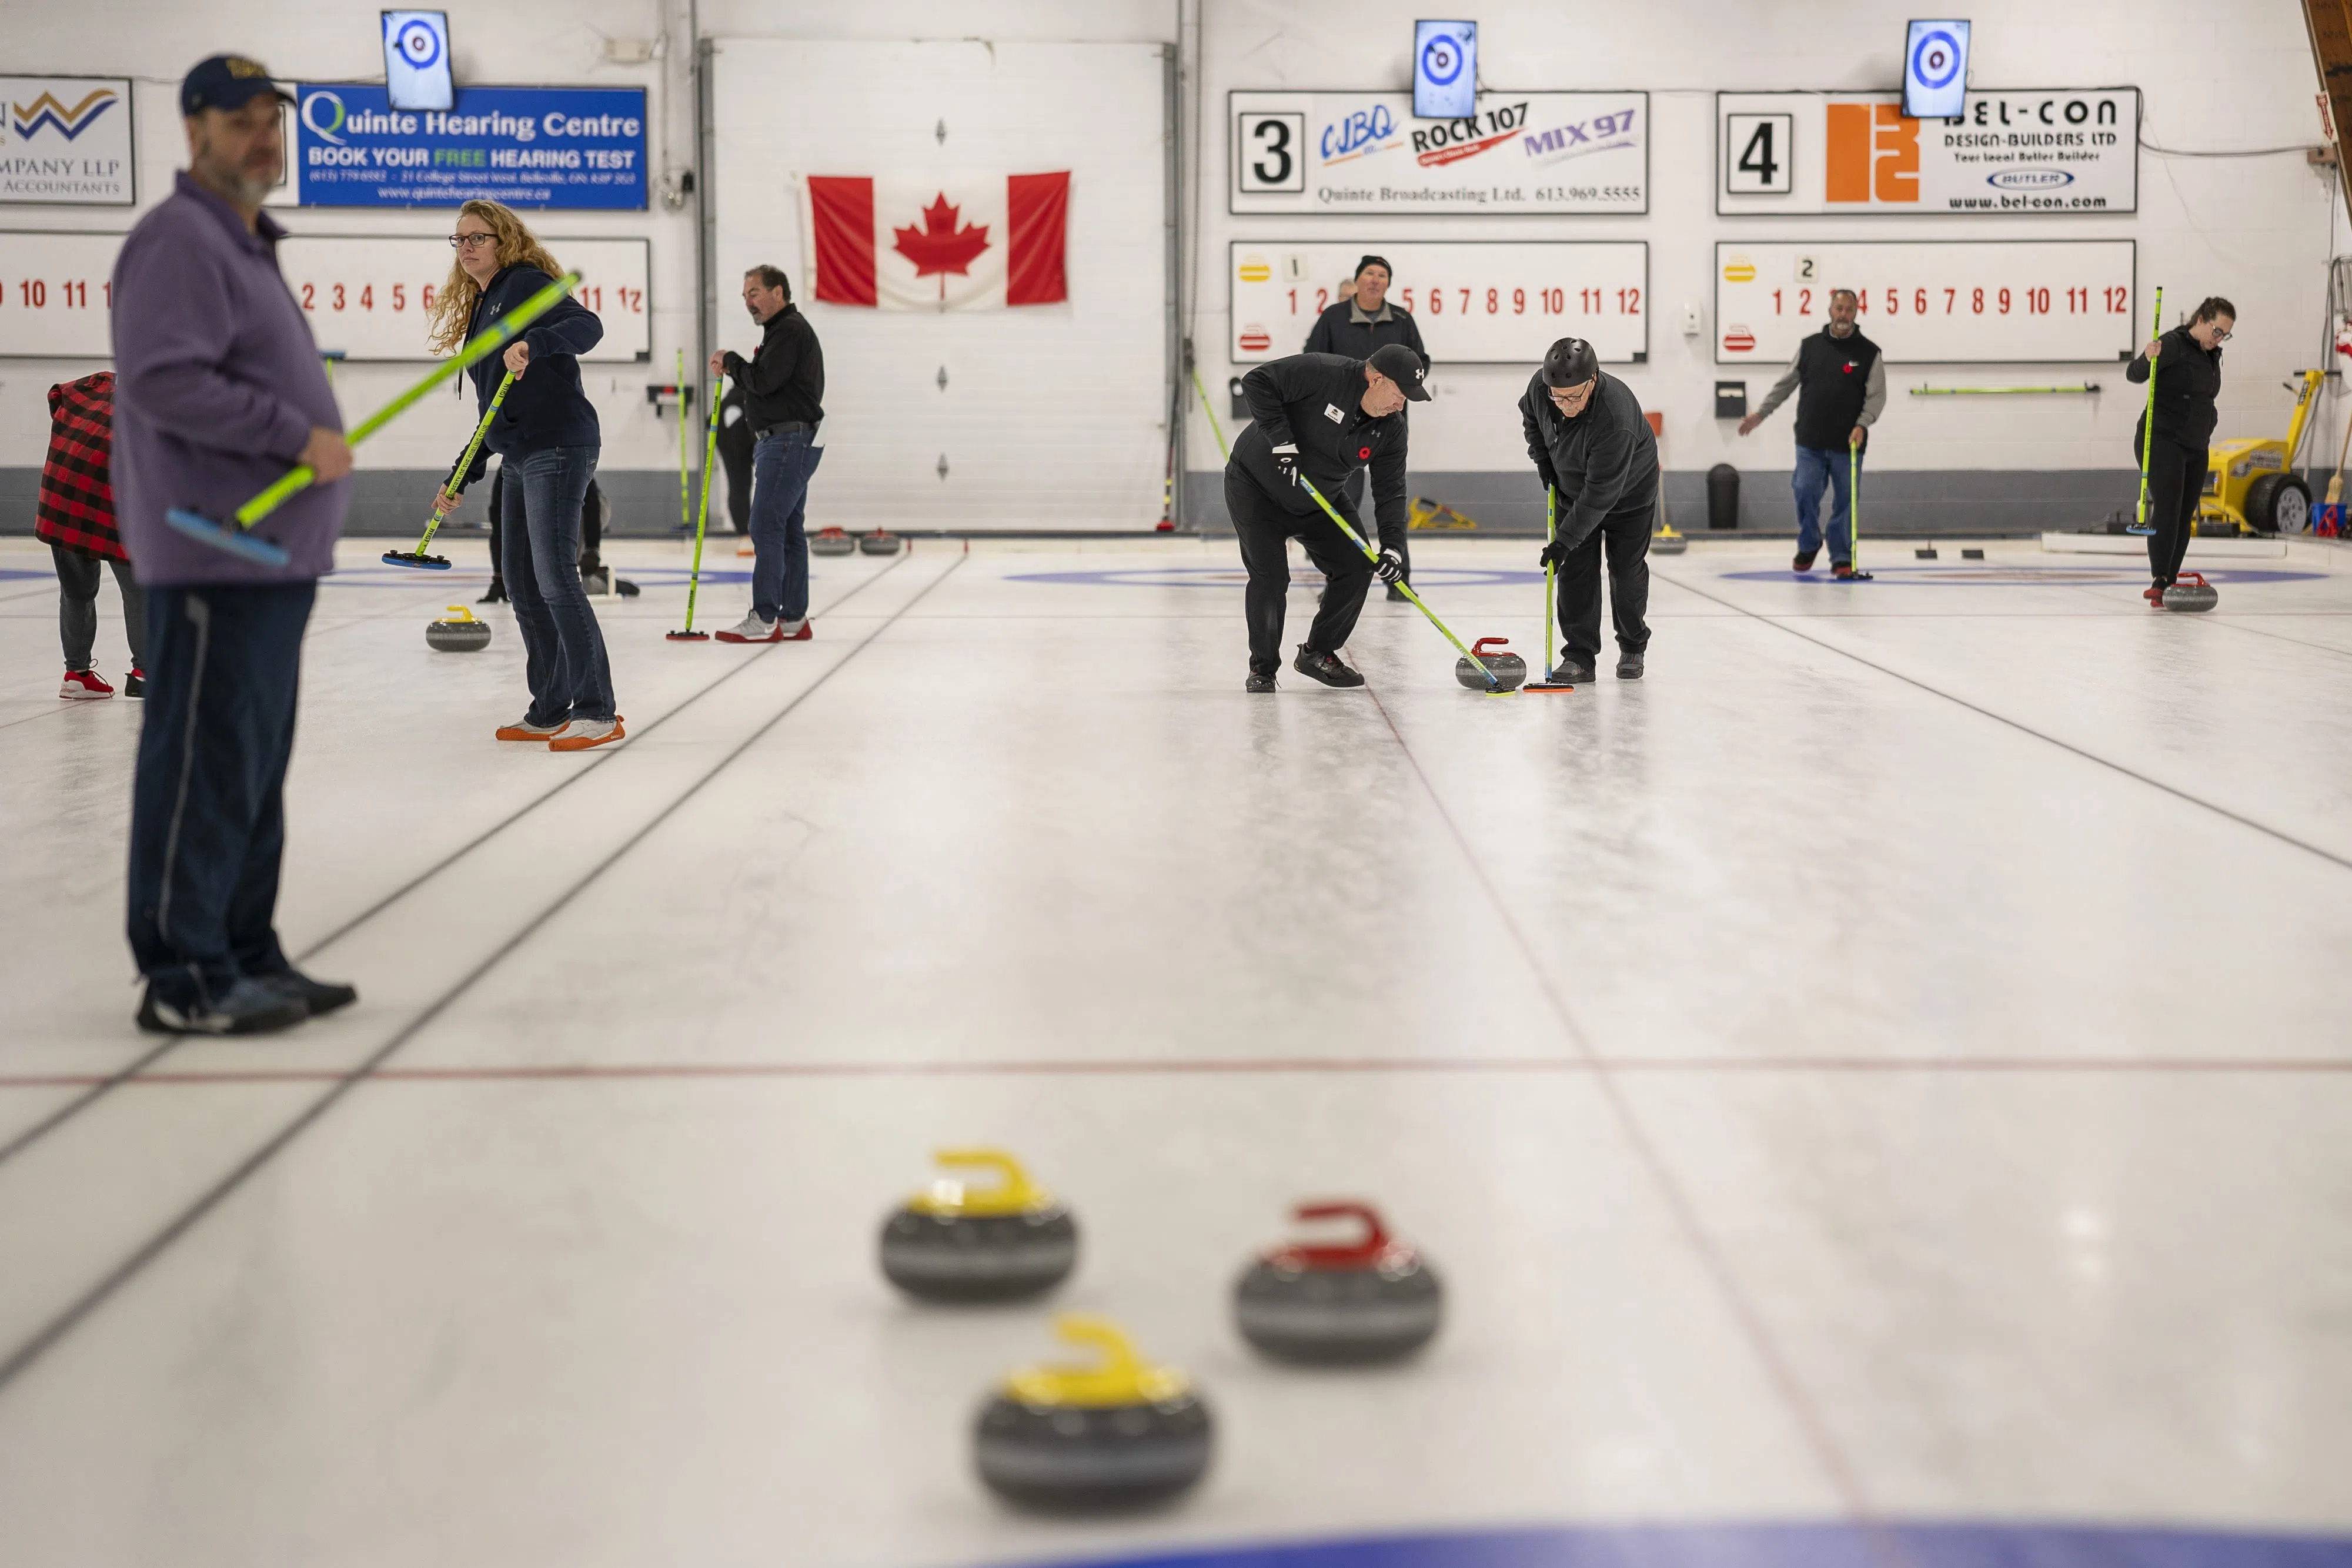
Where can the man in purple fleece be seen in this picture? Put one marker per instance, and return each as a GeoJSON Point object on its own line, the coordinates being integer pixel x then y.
{"type": "Point", "coordinates": [218, 392]}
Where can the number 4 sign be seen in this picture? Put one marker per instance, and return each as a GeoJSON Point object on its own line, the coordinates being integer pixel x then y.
{"type": "Point", "coordinates": [1758, 153]}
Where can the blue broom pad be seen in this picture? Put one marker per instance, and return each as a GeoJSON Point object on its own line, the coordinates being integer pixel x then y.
{"type": "Point", "coordinates": [416, 562]}
{"type": "Point", "coordinates": [222, 536]}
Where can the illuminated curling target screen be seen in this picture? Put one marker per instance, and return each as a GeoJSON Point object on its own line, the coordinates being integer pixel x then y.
{"type": "Point", "coordinates": [417, 60]}
{"type": "Point", "coordinates": [1934, 69]}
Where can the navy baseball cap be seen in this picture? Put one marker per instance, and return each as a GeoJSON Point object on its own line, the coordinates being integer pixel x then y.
{"type": "Point", "coordinates": [1403, 366]}
{"type": "Point", "coordinates": [226, 81]}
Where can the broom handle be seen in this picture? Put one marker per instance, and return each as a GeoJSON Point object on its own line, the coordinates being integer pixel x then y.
{"type": "Point", "coordinates": [301, 477]}
{"type": "Point", "coordinates": [1373, 556]}
{"type": "Point", "coordinates": [1552, 534]}
{"type": "Point", "coordinates": [466, 462]}
{"type": "Point", "coordinates": [703, 517]}
{"type": "Point", "coordinates": [2148, 423]}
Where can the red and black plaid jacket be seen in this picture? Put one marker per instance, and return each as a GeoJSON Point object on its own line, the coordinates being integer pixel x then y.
{"type": "Point", "coordinates": [76, 505]}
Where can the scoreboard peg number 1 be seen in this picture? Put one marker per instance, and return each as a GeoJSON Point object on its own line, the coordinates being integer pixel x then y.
{"type": "Point", "coordinates": [1758, 154]}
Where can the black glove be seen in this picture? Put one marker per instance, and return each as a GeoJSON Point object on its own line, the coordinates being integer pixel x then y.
{"type": "Point", "coordinates": [1285, 463]}
{"type": "Point", "coordinates": [1550, 479]}
{"type": "Point", "coordinates": [1556, 553]}
{"type": "Point", "coordinates": [1390, 567]}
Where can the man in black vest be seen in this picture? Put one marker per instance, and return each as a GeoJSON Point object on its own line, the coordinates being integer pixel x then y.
{"type": "Point", "coordinates": [1366, 320]}
{"type": "Point", "coordinates": [1318, 417]}
{"type": "Point", "coordinates": [1840, 380]}
{"type": "Point", "coordinates": [1592, 444]}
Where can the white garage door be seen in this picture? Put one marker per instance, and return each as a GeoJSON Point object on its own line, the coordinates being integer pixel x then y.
{"type": "Point", "coordinates": [1050, 416]}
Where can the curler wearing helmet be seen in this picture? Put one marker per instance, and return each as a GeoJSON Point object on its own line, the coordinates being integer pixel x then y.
{"type": "Point", "coordinates": [1570, 362]}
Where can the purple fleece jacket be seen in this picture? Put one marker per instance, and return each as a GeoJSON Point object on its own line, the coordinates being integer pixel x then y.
{"type": "Point", "coordinates": [217, 385]}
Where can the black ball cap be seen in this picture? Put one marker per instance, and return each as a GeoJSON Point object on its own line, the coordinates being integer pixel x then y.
{"type": "Point", "coordinates": [1570, 362]}
{"type": "Point", "coordinates": [226, 81]}
{"type": "Point", "coordinates": [1403, 366]}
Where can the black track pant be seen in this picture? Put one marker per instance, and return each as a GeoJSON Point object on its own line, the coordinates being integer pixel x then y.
{"type": "Point", "coordinates": [1623, 537]}
{"type": "Point", "coordinates": [1263, 528]}
{"type": "Point", "coordinates": [2175, 481]}
{"type": "Point", "coordinates": [735, 445]}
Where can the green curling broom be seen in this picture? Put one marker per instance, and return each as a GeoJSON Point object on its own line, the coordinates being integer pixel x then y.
{"type": "Point", "coordinates": [1493, 682]}
{"type": "Point", "coordinates": [417, 560]}
{"type": "Point", "coordinates": [2147, 424]}
{"type": "Point", "coordinates": [703, 517]}
{"type": "Point", "coordinates": [235, 534]}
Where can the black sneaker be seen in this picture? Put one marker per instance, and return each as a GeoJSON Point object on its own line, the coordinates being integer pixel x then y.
{"type": "Point", "coordinates": [1258, 682]}
{"type": "Point", "coordinates": [134, 685]}
{"type": "Point", "coordinates": [248, 1008]}
{"type": "Point", "coordinates": [1574, 673]}
{"type": "Point", "coordinates": [1804, 562]}
{"type": "Point", "coordinates": [497, 593]}
{"type": "Point", "coordinates": [1629, 664]}
{"type": "Point", "coordinates": [1324, 667]}
{"type": "Point", "coordinates": [317, 997]}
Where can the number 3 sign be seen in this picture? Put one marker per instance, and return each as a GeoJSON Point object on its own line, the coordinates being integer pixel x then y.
{"type": "Point", "coordinates": [1273, 152]}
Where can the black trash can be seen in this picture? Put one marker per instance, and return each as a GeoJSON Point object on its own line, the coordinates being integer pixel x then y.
{"type": "Point", "coordinates": [1723, 496]}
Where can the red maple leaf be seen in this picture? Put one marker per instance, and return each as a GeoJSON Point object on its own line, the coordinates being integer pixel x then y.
{"type": "Point", "coordinates": [938, 246]}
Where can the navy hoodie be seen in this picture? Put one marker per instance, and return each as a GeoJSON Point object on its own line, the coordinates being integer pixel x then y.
{"type": "Point", "coordinates": [545, 408]}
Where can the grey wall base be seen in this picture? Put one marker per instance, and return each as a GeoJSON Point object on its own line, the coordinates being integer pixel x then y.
{"type": "Point", "coordinates": [387, 503]}
{"type": "Point", "coordinates": [1922, 503]}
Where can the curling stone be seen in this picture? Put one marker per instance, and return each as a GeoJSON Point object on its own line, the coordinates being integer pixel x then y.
{"type": "Point", "coordinates": [831, 541]}
{"type": "Point", "coordinates": [1372, 1300]}
{"type": "Point", "coordinates": [881, 541]}
{"type": "Point", "coordinates": [1510, 671]}
{"type": "Point", "coordinates": [461, 633]}
{"type": "Point", "coordinates": [955, 1243]}
{"type": "Point", "coordinates": [1117, 1435]}
{"type": "Point", "coordinates": [2190, 592]}
{"type": "Point", "coordinates": [1665, 541]}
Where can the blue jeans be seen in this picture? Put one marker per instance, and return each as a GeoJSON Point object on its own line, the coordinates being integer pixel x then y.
{"type": "Point", "coordinates": [564, 649]}
{"type": "Point", "coordinates": [780, 465]}
{"type": "Point", "coordinates": [1817, 467]}
{"type": "Point", "coordinates": [207, 802]}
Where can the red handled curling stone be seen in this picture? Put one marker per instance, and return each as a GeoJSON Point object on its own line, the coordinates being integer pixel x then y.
{"type": "Point", "coordinates": [1120, 1433]}
{"type": "Point", "coordinates": [831, 541]}
{"type": "Point", "coordinates": [881, 541]}
{"type": "Point", "coordinates": [461, 633]}
{"type": "Point", "coordinates": [1372, 1300]}
{"type": "Point", "coordinates": [2190, 592]}
{"type": "Point", "coordinates": [952, 1242]}
{"type": "Point", "coordinates": [1510, 670]}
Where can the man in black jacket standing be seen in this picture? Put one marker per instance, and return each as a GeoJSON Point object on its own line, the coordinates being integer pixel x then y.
{"type": "Point", "coordinates": [1592, 444]}
{"type": "Point", "coordinates": [1366, 320]}
{"type": "Point", "coordinates": [783, 395]}
{"type": "Point", "coordinates": [2187, 363]}
{"type": "Point", "coordinates": [1840, 380]}
{"type": "Point", "coordinates": [1319, 417]}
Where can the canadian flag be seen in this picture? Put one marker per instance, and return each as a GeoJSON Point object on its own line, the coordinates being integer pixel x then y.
{"type": "Point", "coordinates": [970, 243]}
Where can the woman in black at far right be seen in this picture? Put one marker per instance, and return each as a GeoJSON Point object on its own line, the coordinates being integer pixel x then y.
{"type": "Point", "coordinates": [2188, 367]}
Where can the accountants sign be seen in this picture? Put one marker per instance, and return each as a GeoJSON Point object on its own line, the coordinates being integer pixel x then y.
{"type": "Point", "coordinates": [66, 141]}
{"type": "Point", "coordinates": [524, 146]}
{"type": "Point", "coordinates": [1364, 152]}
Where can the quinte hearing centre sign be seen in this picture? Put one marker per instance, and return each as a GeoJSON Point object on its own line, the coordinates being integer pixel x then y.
{"type": "Point", "coordinates": [524, 146]}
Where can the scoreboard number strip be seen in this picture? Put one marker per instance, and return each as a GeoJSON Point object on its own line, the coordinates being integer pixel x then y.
{"type": "Point", "coordinates": [366, 298]}
{"type": "Point", "coordinates": [1947, 302]}
{"type": "Point", "coordinates": [1477, 302]}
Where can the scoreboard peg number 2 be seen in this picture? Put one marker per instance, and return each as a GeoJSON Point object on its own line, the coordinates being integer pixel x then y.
{"type": "Point", "coordinates": [1757, 150]}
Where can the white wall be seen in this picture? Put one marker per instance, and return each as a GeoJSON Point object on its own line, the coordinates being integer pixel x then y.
{"type": "Point", "coordinates": [2256, 230]}
{"type": "Point", "coordinates": [2213, 76]}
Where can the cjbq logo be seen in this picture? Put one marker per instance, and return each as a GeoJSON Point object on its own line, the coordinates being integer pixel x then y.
{"type": "Point", "coordinates": [47, 110]}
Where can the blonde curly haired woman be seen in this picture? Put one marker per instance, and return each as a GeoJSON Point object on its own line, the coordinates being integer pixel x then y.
{"type": "Point", "coordinates": [547, 437]}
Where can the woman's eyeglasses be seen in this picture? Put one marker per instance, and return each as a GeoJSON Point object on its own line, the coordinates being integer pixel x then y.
{"type": "Point", "coordinates": [463, 242]}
